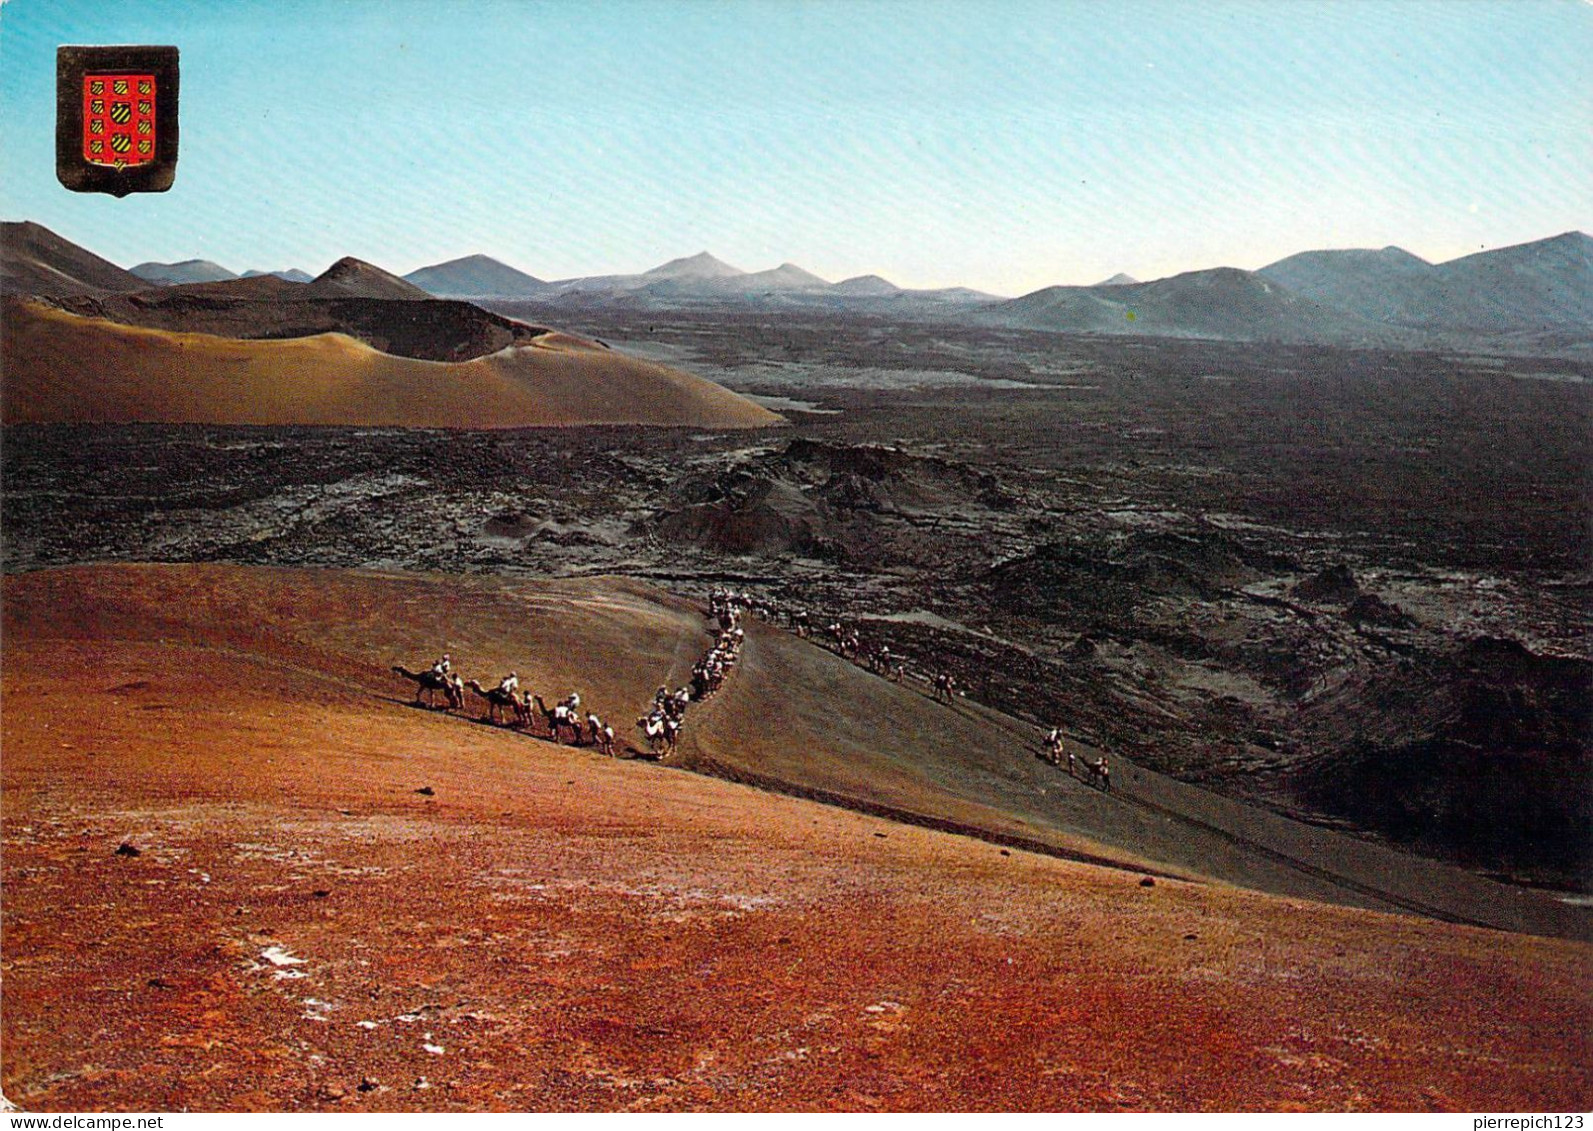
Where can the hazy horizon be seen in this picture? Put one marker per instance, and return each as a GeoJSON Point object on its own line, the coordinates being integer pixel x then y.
{"type": "Point", "coordinates": [319, 269]}
{"type": "Point", "coordinates": [1005, 147]}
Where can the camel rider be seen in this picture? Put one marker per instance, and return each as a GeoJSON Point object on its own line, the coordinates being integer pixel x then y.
{"type": "Point", "coordinates": [574, 701]}
{"type": "Point", "coordinates": [661, 694]}
{"type": "Point", "coordinates": [509, 684]}
{"type": "Point", "coordinates": [443, 666]}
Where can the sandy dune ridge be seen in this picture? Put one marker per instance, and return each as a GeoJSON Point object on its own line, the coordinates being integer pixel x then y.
{"type": "Point", "coordinates": [60, 368]}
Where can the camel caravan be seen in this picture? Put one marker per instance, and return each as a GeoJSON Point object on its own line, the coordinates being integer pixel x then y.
{"type": "Point", "coordinates": [660, 727]}
{"type": "Point", "coordinates": [663, 721]}
{"type": "Point", "coordinates": [506, 705]}
{"type": "Point", "coordinates": [848, 643]}
{"type": "Point", "coordinates": [1097, 773]}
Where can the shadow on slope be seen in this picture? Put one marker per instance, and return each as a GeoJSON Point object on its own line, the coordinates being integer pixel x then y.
{"type": "Point", "coordinates": [798, 718]}
{"type": "Point", "coordinates": [433, 330]}
{"type": "Point", "coordinates": [62, 368]}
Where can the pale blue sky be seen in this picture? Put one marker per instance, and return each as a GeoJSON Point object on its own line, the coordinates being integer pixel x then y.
{"type": "Point", "coordinates": [1006, 146]}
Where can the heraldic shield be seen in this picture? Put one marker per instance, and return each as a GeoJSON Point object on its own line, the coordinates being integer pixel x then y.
{"type": "Point", "coordinates": [119, 119]}
{"type": "Point", "coordinates": [117, 111]}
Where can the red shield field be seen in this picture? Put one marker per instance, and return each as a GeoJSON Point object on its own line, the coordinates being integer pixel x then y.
{"type": "Point", "coordinates": [119, 119]}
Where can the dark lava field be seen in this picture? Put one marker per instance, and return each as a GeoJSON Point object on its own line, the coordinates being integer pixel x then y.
{"type": "Point", "coordinates": [1352, 586]}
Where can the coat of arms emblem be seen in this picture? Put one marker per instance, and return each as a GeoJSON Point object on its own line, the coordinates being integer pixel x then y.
{"type": "Point", "coordinates": [116, 118]}
{"type": "Point", "coordinates": [119, 119]}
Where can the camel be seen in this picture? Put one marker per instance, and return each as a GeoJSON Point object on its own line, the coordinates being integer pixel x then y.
{"type": "Point", "coordinates": [499, 700]}
{"type": "Point", "coordinates": [1054, 746]}
{"type": "Point", "coordinates": [602, 734]}
{"type": "Point", "coordinates": [428, 683]}
{"type": "Point", "coordinates": [557, 718]}
{"type": "Point", "coordinates": [541, 708]}
{"type": "Point", "coordinates": [661, 732]}
{"type": "Point", "coordinates": [1100, 774]}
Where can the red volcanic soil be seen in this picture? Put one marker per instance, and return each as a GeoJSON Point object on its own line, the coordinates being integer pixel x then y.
{"type": "Point", "coordinates": [331, 899]}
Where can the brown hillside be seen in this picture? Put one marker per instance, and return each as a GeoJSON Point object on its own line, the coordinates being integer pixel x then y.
{"type": "Point", "coordinates": [350, 276]}
{"type": "Point", "coordinates": [63, 368]}
{"type": "Point", "coordinates": [330, 899]}
{"type": "Point", "coordinates": [34, 260]}
{"type": "Point", "coordinates": [805, 720]}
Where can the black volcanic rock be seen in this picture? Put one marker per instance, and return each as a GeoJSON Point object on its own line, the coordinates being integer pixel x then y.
{"type": "Point", "coordinates": [1335, 585]}
{"type": "Point", "coordinates": [1064, 581]}
{"type": "Point", "coordinates": [839, 502]}
{"type": "Point", "coordinates": [1369, 608]}
{"type": "Point", "coordinates": [1483, 748]}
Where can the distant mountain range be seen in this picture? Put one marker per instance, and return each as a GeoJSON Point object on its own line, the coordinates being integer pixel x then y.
{"type": "Point", "coordinates": [1535, 295]}
{"type": "Point", "coordinates": [292, 275]}
{"type": "Point", "coordinates": [1223, 303]}
{"type": "Point", "coordinates": [1545, 285]}
{"type": "Point", "coordinates": [204, 271]}
{"type": "Point", "coordinates": [695, 281]}
{"type": "Point", "coordinates": [188, 271]}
